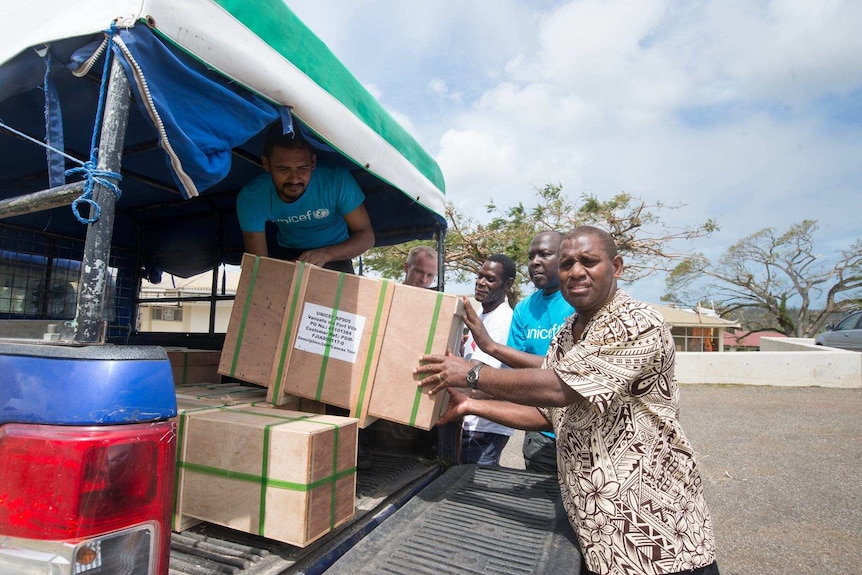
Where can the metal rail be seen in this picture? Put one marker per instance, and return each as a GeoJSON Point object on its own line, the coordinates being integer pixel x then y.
{"type": "Point", "coordinates": [41, 200]}
{"type": "Point", "coordinates": [90, 326]}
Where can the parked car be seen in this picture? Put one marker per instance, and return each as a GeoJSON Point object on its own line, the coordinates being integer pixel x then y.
{"type": "Point", "coordinates": [846, 334]}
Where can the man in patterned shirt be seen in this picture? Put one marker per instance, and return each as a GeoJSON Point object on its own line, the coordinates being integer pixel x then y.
{"type": "Point", "coordinates": [629, 482]}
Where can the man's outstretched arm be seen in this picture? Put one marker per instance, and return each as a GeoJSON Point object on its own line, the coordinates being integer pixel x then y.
{"type": "Point", "coordinates": [510, 356]}
{"type": "Point", "coordinates": [502, 412]}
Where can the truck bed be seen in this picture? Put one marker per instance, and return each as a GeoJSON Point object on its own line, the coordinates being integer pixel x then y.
{"type": "Point", "coordinates": [468, 520]}
{"type": "Point", "coordinates": [472, 520]}
{"type": "Point", "coordinates": [210, 549]}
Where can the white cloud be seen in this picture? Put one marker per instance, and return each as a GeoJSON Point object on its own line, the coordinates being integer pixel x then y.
{"type": "Point", "coordinates": [747, 110]}
{"type": "Point", "coordinates": [439, 87]}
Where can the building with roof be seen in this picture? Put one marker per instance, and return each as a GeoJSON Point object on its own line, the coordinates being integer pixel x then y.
{"type": "Point", "coordinates": [184, 304]}
{"type": "Point", "coordinates": [696, 329]}
{"type": "Point", "coordinates": [741, 340]}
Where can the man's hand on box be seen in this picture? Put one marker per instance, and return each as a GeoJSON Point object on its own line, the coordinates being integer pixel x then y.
{"type": "Point", "coordinates": [442, 371]}
{"type": "Point", "coordinates": [477, 328]}
{"type": "Point", "coordinates": [458, 407]}
{"type": "Point", "coordinates": [316, 257]}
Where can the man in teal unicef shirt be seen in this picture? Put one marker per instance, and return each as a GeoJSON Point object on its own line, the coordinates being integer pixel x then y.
{"type": "Point", "coordinates": [318, 208]}
{"type": "Point", "coordinates": [535, 321]}
{"type": "Point", "coordinates": [319, 211]}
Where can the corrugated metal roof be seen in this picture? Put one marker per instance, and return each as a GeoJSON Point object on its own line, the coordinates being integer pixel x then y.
{"type": "Point", "coordinates": [686, 317]}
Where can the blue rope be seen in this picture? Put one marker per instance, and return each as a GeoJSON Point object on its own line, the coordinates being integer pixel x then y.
{"type": "Point", "coordinates": [92, 175]}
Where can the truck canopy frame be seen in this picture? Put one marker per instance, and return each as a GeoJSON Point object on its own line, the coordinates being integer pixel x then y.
{"type": "Point", "coordinates": [184, 64]}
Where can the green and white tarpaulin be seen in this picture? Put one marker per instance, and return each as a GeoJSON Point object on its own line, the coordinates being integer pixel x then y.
{"type": "Point", "coordinates": [260, 50]}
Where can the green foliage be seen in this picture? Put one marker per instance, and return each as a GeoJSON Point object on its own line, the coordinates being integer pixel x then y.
{"type": "Point", "coordinates": [641, 234]}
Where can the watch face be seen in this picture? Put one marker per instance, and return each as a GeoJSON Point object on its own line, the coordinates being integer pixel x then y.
{"type": "Point", "coordinates": [473, 376]}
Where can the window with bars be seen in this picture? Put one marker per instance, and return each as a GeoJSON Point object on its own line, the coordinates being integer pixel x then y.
{"type": "Point", "coordinates": [40, 275]}
{"type": "Point", "coordinates": [167, 313]}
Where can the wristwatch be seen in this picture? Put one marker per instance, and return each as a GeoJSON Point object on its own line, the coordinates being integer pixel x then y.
{"type": "Point", "coordinates": [473, 375]}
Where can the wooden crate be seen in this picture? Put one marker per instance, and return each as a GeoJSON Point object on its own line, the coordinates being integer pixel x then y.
{"type": "Point", "coordinates": [285, 475]}
{"type": "Point", "coordinates": [421, 321]}
{"type": "Point", "coordinates": [254, 330]}
{"type": "Point", "coordinates": [190, 366]}
{"type": "Point", "coordinates": [222, 393]}
{"type": "Point", "coordinates": [343, 340]}
{"type": "Point", "coordinates": [331, 339]}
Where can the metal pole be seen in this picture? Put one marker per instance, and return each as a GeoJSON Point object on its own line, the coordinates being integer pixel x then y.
{"type": "Point", "coordinates": [40, 201]}
{"type": "Point", "coordinates": [441, 242]}
{"type": "Point", "coordinates": [90, 325]}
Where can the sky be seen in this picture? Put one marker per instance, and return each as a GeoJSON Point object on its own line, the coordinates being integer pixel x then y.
{"type": "Point", "coordinates": [748, 112]}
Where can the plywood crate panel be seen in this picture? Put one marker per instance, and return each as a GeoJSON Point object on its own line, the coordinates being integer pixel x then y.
{"type": "Point", "coordinates": [191, 366]}
{"type": "Point", "coordinates": [226, 393]}
{"type": "Point", "coordinates": [331, 338]}
{"type": "Point", "coordinates": [288, 476]}
{"type": "Point", "coordinates": [186, 406]}
{"type": "Point", "coordinates": [254, 330]}
{"type": "Point", "coordinates": [420, 322]}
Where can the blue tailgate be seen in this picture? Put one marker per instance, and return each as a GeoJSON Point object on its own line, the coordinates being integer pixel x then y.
{"type": "Point", "coordinates": [91, 385]}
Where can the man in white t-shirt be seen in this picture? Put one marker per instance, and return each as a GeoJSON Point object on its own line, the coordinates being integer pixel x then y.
{"type": "Point", "coordinates": [482, 441]}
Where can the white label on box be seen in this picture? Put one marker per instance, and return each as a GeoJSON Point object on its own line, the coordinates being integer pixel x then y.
{"type": "Point", "coordinates": [319, 334]}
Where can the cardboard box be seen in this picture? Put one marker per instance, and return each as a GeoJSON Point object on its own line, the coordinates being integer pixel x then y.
{"type": "Point", "coordinates": [421, 321]}
{"type": "Point", "coordinates": [225, 393]}
{"type": "Point", "coordinates": [344, 340]}
{"type": "Point", "coordinates": [194, 365]}
{"type": "Point", "coordinates": [332, 337]}
{"type": "Point", "coordinates": [238, 394]}
{"type": "Point", "coordinates": [285, 475]}
{"type": "Point", "coordinates": [254, 330]}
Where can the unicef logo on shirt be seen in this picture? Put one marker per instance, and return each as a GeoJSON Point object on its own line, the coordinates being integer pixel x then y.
{"type": "Point", "coordinates": [320, 214]}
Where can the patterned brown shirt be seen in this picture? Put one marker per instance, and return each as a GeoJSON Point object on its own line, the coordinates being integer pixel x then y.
{"type": "Point", "coordinates": [629, 481]}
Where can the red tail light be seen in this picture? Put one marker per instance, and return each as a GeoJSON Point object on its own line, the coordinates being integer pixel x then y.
{"type": "Point", "coordinates": [73, 483]}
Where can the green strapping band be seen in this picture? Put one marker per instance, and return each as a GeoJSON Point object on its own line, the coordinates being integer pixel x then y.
{"type": "Point", "coordinates": [428, 346]}
{"type": "Point", "coordinates": [229, 392]}
{"type": "Point", "coordinates": [363, 387]}
{"type": "Point", "coordinates": [321, 378]}
{"type": "Point", "coordinates": [291, 317]}
{"type": "Point", "coordinates": [277, 483]}
{"type": "Point", "coordinates": [263, 479]}
{"type": "Point", "coordinates": [334, 475]}
{"type": "Point", "coordinates": [245, 309]}
{"type": "Point", "coordinates": [264, 471]}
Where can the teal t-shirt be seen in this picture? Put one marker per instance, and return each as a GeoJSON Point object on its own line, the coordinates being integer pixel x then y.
{"type": "Point", "coordinates": [313, 221]}
{"type": "Point", "coordinates": [535, 322]}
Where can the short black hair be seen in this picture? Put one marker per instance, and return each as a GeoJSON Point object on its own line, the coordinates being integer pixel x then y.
{"type": "Point", "coordinates": [506, 262]}
{"type": "Point", "coordinates": [276, 138]}
{"type": "Point", "coordinates": [604, 237]}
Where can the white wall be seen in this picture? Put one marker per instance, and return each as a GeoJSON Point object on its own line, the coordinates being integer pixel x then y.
{"type": "Point", "coordinates": [799, 363]}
